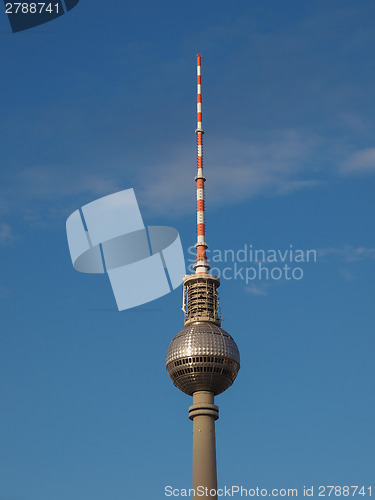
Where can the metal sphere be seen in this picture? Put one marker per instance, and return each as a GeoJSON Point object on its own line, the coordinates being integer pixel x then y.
{"type": "Point", "coordinates": [203, 357]}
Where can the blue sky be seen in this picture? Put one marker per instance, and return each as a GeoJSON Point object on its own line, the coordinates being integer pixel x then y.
{"type": "Point", "coordinates": [103, 99]}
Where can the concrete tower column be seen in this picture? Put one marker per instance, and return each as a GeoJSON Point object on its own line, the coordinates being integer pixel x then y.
{"type": "Point", "coordinates": [203, 413]}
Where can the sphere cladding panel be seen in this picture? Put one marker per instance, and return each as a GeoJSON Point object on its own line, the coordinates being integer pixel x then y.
{"type": "Point", "coordinates": [203, 356]}
{"type": "Point", "coordinates": [202, 339]}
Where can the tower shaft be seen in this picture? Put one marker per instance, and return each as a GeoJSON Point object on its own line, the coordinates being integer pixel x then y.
{"type": "Point", "coordinates": [203, 413]}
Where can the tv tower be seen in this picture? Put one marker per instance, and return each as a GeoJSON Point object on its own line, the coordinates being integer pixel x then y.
{"type": "Point", "coordinates": [202, 360]}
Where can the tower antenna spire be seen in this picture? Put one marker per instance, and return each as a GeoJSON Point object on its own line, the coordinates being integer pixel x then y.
{"type": "Point", "coordinates": [201, 266]}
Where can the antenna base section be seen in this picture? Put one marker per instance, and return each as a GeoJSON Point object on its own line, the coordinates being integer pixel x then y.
{"type": "Point", "coordinates": [200, 298]}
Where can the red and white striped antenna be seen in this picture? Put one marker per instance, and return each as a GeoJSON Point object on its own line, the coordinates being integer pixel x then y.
{"type": "Point", "coordinates": [201, 266]}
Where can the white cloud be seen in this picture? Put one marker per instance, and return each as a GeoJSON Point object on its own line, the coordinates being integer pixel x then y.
{"type": "Point", "coordinates": [360, 162]}
{"type": "Point", "coordinates": [256, 289]}
{"type": "Point", "coordinates": [52, 182]}
{"type": "Point", "coordinates": [348, 253]}
{"type": "Point", "coordinates": [42, 194]}
{"type": "Point", "coordinates": [235, 170]}
{"type": "Point", "coordinates": [273, 164]}
{"type": "Point", "coordinates": [346, 274]}
{"type": "Point", "coordinates": [6, 234]}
